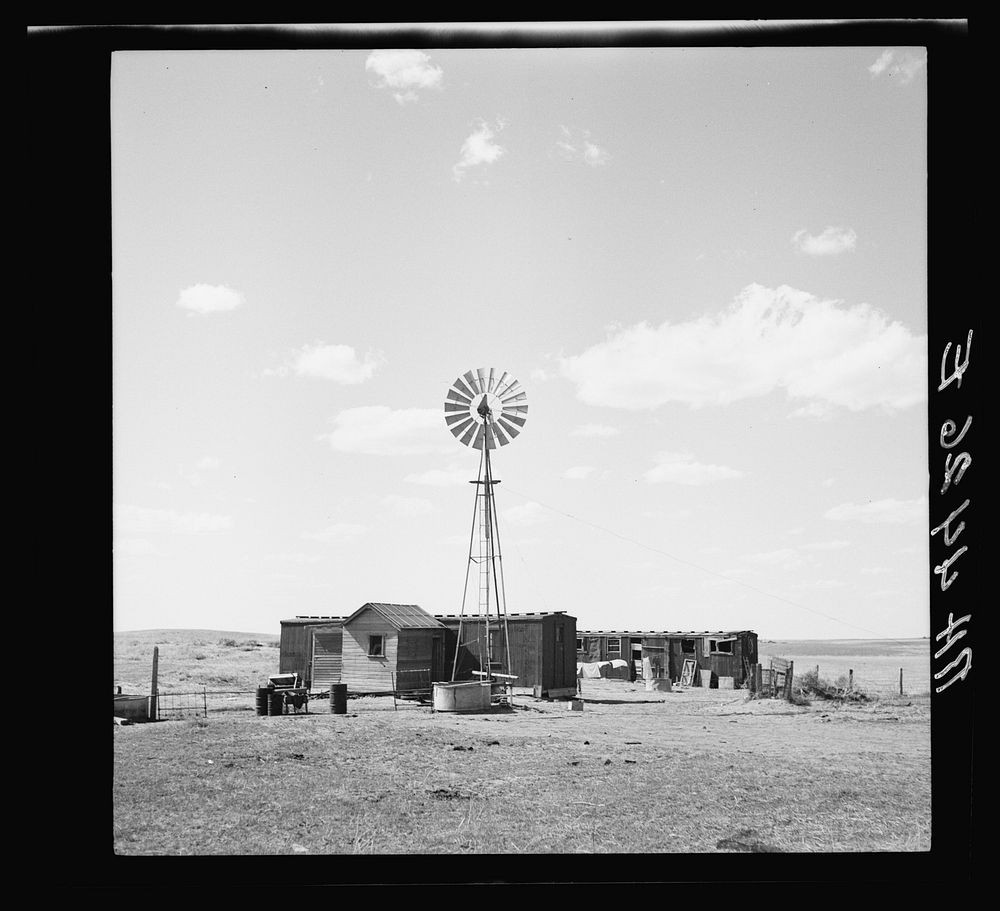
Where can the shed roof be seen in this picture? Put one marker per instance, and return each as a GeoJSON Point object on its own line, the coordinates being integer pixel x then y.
{"type": "Point", "coordinates": [311, 619]}
{"type": "Point", "coordinates": [401, 616]}
{"type": "Point", "coordinates": [536, 615]}
{"type": "Point", "coordinates": [670, 634]}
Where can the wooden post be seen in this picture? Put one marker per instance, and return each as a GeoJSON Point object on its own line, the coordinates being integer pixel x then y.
{"type": "Point", "coordinates": [850, 679]}
{"type": "Point", "coordinates": [154, 709]}
{"type": "Point", "coordinates": [392, 681]}
{"type": "Point", "coordinates": [758, 679]}
{"type": "Point", "coordinates": [788, 680]}
{"type": "Point", "coordinates": [900, 681]}
{"type": "Point", "coordinates": [204, 697]}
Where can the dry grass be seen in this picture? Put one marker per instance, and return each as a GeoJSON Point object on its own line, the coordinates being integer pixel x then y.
{"type": "Point", "coordinates": [635, 772]}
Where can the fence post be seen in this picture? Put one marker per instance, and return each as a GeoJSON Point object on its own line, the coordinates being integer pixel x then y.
{"type": "Point", "coordinates": [788, 680]}
{"type": "Point", "coordinates": [154, 691]}
{"type": "Point", "coordinates": [392, 681]}
{"type": "Point", "coordinates": [850, 679]}
{"type": "Point", "coordinates": [900, 681]}
{"type": "Point", "coordinates": [204, 696]}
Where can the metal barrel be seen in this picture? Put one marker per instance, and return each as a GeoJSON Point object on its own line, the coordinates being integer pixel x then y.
{"type": "Point", "coordinates": [275, 703]}
{"type": "Point", "coordinates": [262, 692]}
{"type": "Point", "coordinates": [338, 698]}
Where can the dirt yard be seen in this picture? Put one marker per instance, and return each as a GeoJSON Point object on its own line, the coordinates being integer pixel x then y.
{"type": "Point", "coordinates": [634, 772]}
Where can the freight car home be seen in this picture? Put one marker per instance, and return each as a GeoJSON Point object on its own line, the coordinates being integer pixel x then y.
{"type": "Point", "coordinates": [727, 653]}
{"type": "Point", "coordinates": [541, 650]}
{"type": "Point", "coordinates": [541, 653]}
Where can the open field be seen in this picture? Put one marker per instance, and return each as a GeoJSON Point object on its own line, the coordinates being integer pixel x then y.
{"type": "Point", "coordinates": [876, 662]}
{"type": "Point", "coordinates": [634, 772]}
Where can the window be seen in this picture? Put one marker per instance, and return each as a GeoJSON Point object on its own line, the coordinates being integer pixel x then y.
{"type": "Point", "coordinates": [687, 646]}
{"type": "Point", "coordinates": [614, 646]}
{"type": "Point", "coordinates": [376, 646]}
{"type": "Point", "coordinates": [720, 646]}
{"type": "Point", "coordinates": [579, 643]}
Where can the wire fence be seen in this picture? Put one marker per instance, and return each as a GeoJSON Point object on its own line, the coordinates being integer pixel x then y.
{"type": "Point", "coordinates": [201, 703]}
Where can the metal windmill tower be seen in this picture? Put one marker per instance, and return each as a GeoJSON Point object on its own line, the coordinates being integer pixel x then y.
{"type": "Point", "coordinates": [485, 409]}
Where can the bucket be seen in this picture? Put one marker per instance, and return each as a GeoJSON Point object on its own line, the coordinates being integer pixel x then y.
{"type": "Point", "coordinates": [275, 703]}
{"type": "Point", "coordinates": [338, 698]}
{"type": "Point", "coordinates": [262, 692]}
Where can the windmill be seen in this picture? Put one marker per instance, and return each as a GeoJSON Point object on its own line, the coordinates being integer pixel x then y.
{"type": "Point", "coordinates": [485, 410]}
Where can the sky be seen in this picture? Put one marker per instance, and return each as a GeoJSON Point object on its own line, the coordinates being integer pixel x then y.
{"type": "Point", "coordinates": [706, 267]}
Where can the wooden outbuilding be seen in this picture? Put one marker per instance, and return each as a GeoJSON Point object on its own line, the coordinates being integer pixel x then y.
{"type": "Point", "coordinates": [392, 647]}
{"type": "Point", "coordinates": [311, 647]}
{"type": "Point", "coordinates": [541, 650]}
{"type": "Point", "coordinates": [727, 653]}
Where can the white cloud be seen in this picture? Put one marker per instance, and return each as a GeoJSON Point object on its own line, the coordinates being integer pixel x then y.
{"type": "Point", "coordinates": [887, 511]}
{"type": "Point", "coordinates": [339, 363]}
{"type": "Point", "coordinates": [206, 299]}
{"type": "Point", "coordinates": [404, 72]}
{"type": "Point", "coordinates": [408, 507]}
{"type": "Point", "coordinates": [528, 514]}
{"type": "Point", "coordinates": [579, 472]}
{"type": "Point", "coordinates": [442, 477]}
{"type": "Point", "coordinates": [140, 520]}
{"type": "Point", "coordinates": [339, 533]}
{"type": "Point", "coordinates": [479, 148]}
{"type": "Point", "coordinates": [832, 241]}
{"type": "Point", "coordinates": [575, 145]}
{"type": "Point", "coordinates": [829, 482]}
{"type": "Point", "coordinates": [768, 339]}
{"type": "Point", "coordinates": [901, 68]}
{"type": "Point", "coordinates": [595, 430]}
{"type": "Point", "coordinates": [680, 468]}
{"type": "Point", "coordinates": [379, 430]}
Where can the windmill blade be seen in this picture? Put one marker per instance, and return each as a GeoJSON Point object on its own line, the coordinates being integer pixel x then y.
{"type": "Point", "coordinates": [455, 396]}
{"type": "Point", "coordinates": [478, 443]}
{"type": "Point", "coordinates": [464, 389]}
{"type": "Point", "coordinates": [469, 434]}
{"type": "Point", "coordinates": [512, 431]}
{"type": "Point", "coordinates": [459, 429]}
{"type": "Point", "coordinates": [481, 373]}
{"type": "Point", "coordinates": [512, 409]}
{"type": "Point", "coordinates": [499, 434]}
{"type": "Point", "coordinates": [454, 419]}
{"type": "Point", "coordinates": [513, 418]}
{"type": "Point", "coordinates": [456, 406]}
{"type": "Point", "coordinates": [490, 387]}
{"type": "Point", "coordinates": [500, 388]}
{"type": "Point", "coordinates": [491, 442]}
{"type": "Point", "coordinates": [473, 383]}
{"type": "Point", "coordinates": [518, 396]}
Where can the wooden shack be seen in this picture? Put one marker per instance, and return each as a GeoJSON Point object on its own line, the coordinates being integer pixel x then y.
{"type": "Point", "coordinates": [311, 647]}
{"type": "Point", "coordinates": [388, 647]}
{"type": "Point", "coordinates": [728, 653]}
{"type": "Point", "coordinates": [541, 650]}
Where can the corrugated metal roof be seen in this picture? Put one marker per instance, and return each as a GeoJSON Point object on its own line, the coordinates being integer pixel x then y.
{"type": "Point", "coordinates": [401, 616]}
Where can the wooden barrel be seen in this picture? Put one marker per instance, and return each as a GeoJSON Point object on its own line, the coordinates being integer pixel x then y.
{"type": "Point", "coordinates": [275, 703]}
{"type": "Point", "coordinates": [338, 698]}
{"type": "Point", "coordinates": [262, 692]}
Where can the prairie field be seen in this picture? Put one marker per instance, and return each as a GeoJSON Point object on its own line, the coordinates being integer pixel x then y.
{"type": "Point", "coordinates": [687, 771]}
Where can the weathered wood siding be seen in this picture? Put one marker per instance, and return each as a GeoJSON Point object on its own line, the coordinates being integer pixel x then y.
{"type": "Point", "coordinates": [294, 649]}
{"type": "Point", "coordinates": [362, 673]}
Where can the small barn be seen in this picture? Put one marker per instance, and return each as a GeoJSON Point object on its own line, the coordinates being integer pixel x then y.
{"type": "Point", "coordinates": [311, 647]}
{"type": "Point", "coordinates": [388, 647]}
{"type": "Point", "coordinates": [728, 653]}
{"type": "Point", "coordinates": [541, 650]}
